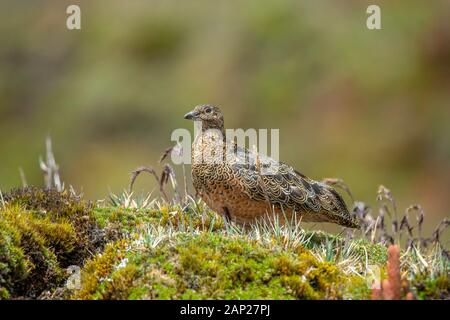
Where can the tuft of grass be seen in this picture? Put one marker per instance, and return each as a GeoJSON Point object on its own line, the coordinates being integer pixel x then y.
{"type": "Point", "coordinates": [389, 227]}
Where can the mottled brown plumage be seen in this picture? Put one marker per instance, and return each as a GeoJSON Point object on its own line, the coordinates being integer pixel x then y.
{"type": "Point", "coordinates": [236, 184]}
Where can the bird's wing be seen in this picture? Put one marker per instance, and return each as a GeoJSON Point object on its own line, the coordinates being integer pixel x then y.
{"type": "Point", "coordinates": [266, 179]}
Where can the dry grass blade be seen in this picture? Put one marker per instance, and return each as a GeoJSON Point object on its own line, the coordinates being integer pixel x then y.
{"type": "Point", "coordinates": [440, 229]}
{"type": "Point", "coordinates": [177, 150]}
{"type": "Point", "coordinates": [385, 193]}
{"type": "Point", "coordinates": [404, 224]}
{"type": "Point", "coordinates": [165, 154]}
{"type": "Point", "coordinates": [169, 173]}
{"type": "Point", "coordinates": [185, 183]}
{"type": "Point", "coordinates": [419, 215]}
{"type": "Point", "coordinates": [2, 201]}
{"type": "Point", "coordinates": [166, 174]}
{"type": "Point", "coordinates": [50, 168]}
{"type": "Point", "coordinates": [384, 196]}
{"type": "Point", "coordinates": [23, 177]}
{"type": "Point", "coordinates": [339, 183]}
{"type": "Point", "coordinates": [151, 171]}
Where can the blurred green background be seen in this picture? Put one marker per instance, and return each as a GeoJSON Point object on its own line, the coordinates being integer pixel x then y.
{"type": "Point", "coordinates": [371, 107]}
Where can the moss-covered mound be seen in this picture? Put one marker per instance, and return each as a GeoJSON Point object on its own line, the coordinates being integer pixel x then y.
{"type": "Point", "coordinates": [42, 232]}
{"type": "Point", "coordinates": [176, 251]}
{"type": "Point", "coordinates": [213, 266]}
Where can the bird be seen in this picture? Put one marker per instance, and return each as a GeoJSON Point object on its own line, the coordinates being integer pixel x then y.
{"type": "Point", "coordinates": [230, 180]}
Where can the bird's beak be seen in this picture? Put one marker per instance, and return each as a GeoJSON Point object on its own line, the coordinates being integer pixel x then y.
{"type": "Point", "coordinates": [191, 115]}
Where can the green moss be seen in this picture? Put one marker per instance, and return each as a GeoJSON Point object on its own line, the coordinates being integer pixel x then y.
{"type": "Point", "coordinates": [375, 253]}
{"type": "Point", "coordinates": [173, 253]}
{"type": "Point", "coordinates": [97, 270]}
{"type": "Point", "coordinates": [41, 233]}
{"type": "Point", "coordinates": [30, 250]}
{"type": "Point", "coordinates": [211, 265]}
{"type": "Point", "coordinates": [13, 265]}
{"type": "Point", "coordinates": [121, 222]}
{"type": "Point", "coordinates": [49, 202]}
{"type": "Point", "coordinates": [426, 287]}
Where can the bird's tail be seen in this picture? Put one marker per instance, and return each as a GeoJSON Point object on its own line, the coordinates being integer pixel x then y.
{"type": "Point", "coordinates": [342, 215]}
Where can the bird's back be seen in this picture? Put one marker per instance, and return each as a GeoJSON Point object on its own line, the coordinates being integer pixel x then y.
{"type": "Point", "coordinates": [247, 185]}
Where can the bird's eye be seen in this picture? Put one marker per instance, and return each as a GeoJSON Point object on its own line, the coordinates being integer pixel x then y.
{"type": "Point", "coordinates": [208, 110]}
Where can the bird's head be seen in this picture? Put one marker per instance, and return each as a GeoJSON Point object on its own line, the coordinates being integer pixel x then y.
{"type": "Point", "coordinates": [210, 116]}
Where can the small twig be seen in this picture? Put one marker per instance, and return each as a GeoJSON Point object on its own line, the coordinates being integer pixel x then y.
{"type": "Point", "coordinates": [439, 230]}
{"type": "Point", "coordinates": [2, 200]}
{"type": "Point", "coordinates": [405, 224]}
{"type": "Point", "coordinates": [23, 177]}
{"type": "Point", "coordinates": [166, 153]}
{"type": "Point", "coordinates": [167, 173]}
{"type": "Point", "coordinates": [185, 183]}
{"type": "Point", "coordinates": [150, 170]}
{"type": "Point", "coordinates": [382, 195]}
{"type": "Point", "coordinates": [50, 168]}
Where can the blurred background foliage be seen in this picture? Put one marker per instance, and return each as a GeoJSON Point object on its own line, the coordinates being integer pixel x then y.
{"type": "Point", "coordinates": [370, 107]}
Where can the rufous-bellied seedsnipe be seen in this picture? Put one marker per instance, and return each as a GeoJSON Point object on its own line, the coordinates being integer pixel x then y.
{"type": "Point", "coordinates": [232, 180]}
